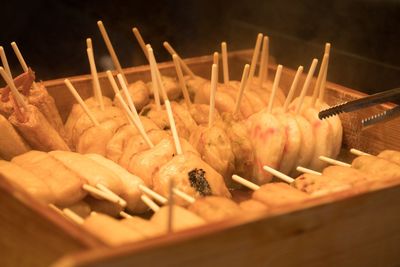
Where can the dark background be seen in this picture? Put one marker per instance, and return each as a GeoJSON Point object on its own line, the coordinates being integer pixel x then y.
{"type": "Point", "coordinates": [365, 34]}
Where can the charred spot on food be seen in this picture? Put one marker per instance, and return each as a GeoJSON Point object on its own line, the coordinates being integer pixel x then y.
{"type": "Point", "coordinates": [198, 181]}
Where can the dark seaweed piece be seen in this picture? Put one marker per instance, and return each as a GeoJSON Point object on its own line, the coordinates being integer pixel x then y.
{"type": "Point", "coordinates": [198, 181]}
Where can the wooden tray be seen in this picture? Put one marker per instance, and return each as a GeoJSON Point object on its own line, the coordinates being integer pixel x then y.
{"type": "Point", "coordinates": [358, 227]}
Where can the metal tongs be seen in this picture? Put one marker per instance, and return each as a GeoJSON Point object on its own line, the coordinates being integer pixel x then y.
{"type": "Point", "coordinates": [392, 95]}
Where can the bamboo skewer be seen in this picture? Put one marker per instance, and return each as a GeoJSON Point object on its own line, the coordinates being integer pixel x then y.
{"type": "Point", "coordinates": [141, 42]}
{"type": "Point", "coordinates": [323, 82]}
{"type": "Point", "coordinates": [274, 88]}
{"type": "Point", "coordinates": [254, 59]}
{"type": "Point", "coordinates": [181, 80]}
{"type": "Point", "coordinates": [154, 78]}
{"type": "Point", "coordinates": [156, 196]}
{"type": "Point", "coordinates": [110, 48]}
{"type": "Point", "coordinates": [359, 152]}
{"type": "Point", "coordinates": [278, 174]}
{"type": "Point", "coordinates": [129, 98]}
{"type": "Point", "coordinates": [125, 215]}
{"type": "Point", "coordinates": [136, 122]}
{"type": "Point", "coordinates": [73, 216]}
{"type": "Point", "coordinates": [16, 94]}
{"type": "Point", "coordinates": [293, 88]}
{"type": "Point", "coordinates": [216, 59]}
{"type": "Point", "coordinates": [103, 188]}
{"type": "Point", "coordinates": [225, 66]}
{"type": "Point", "coordinates": [306, 84]}
{"type": "Point", "coordinates": [263, 73]}
{"type": "Point", "coordinates": [243, 82]}
{"type": "Point", "coordinates": [334, 161]}
{"type": "Point", "coordinates": [321, 73]}
{"type": "Point", "coordinates": [78, 98]}
{"type": "Point", "coordinates": [214, 82]}
{"type": "Point", "coordinates": [245, 182]}
{"type": "Point", "coordinates": [22, 61]}
{"type": "Point", "coordinates": [150, 203]}
{"type": "Point", "coordinates": [177, 142]}
{"type": "Point", "coordinates": [4, 61]}
{"type": "Point", "coordinates": [184, 65]}
{"type": "Point", "coordinates": [306, 170]}
{"type": "Point", "coordinates": [170, 206]}
{"type": "Point", "coordinates": [184, 196]}
{"type": "Point", "coordinates": [56, 209]}
{"type": "Point", "coordinates": [100, 194]}
{"type": "Point", "coordinates": [96, 84]}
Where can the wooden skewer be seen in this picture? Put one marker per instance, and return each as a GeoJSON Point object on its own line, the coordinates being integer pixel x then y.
{"type": "Point", "coordinates": [214, 82]}
{"type": "Point", "coordinates": [319, 79]}
{"type": "Point", "coordinates": [78, 98]}
{"type": "Point", "coordinates": [177, 142]}
{"type": "Point", "coordinates": [334, 161]}
{"type": "Point", "coordinates": [181, 80]}
{"type": "Point", "coordinates": [96, 84]}
{"type": "Point", "coordinates": [278, 174]}
{"type": "Point", "coordinates": [125, 215]}
{"type": "Point", "coordinates": [184, 65]}
{"type": "Point", "coordinates": [73, 216]}
{"type": "Point", "coordinates": [154, 78]}
{"type": "Point", "coordinates": [150, 203]}
{"type": "Point", "coordinates": [293, 88]}
{"type": "Point", "coordinates": [129, 98]}
{"type": "Point", "coordinates": [254, 59]}
{"type": "Point", "coordinates": [100, 194]}
{"type": "Point", "coordinates": [306, 170]}
{"type": "Point", "coordinates": [216, 58]}
{"type": "Point", "coordinates": [263, 73]}
{"type": "Point", "coordinates": [138, 125]}
{"type": "Point", "coordinates": [16, 94]}
{"type": "Point", "coordinates": [159, 198]}
{"type": "Point", "coordinates": [22, 61]}
{"type": "Point", "coordinates": [274, 88]}
{"type": "Point", "coordinates": [89, 44]}
{"type": "Point", "coordinates": [358, 152]}
{"type": "Point", "coordinates": [245, 182]}
{"type": "Point", "coordinates": [323, 83]}
{"type": "Point", "coordinates": [225, 66]}
{"type": "Point", "coordinates": [56, 209]}
{"type": "Point", "coordinates": [306, 84]}
{"type": "Point", "coordinates": [183, 195]}
{"type": "Point", "coordinates": [105, 189]}
{"type": "Point", "coordinates": [140, 40]}
{"type": "Point", "coordinates": [243, 82]}
{"type": "Point", "coordinates": [110, 49]}
{"type": "Point", "coordinates": [170, 206]}
{"type": "Point", "coordinates": [4, 61]}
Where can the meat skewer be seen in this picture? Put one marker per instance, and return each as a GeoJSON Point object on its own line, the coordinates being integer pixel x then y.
{"type": "Point", "coordinates": [40, 98]}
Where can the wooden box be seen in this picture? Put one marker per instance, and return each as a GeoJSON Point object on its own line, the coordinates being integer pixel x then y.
{"type": "Point", "coordinates": [357, 227]}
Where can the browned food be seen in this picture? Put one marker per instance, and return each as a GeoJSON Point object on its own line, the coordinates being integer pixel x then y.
{"type": "Point", "coordinates": [377, 168]}
{"type": "Point", "coordinates": [279, 194]}
{"type": "Point", "coordinates": [109, 230]}
{"type": "Point", "coordinates": [27, 181]}
{"type": "Point", "coordinates": [182, 219]}
{"type": "Point", "coordinates": [139, 92]}
{"type": "Point", "coordinates": [65, 184]}
{"type": "Point", "coordinates": [253, 205]}
{"type": "Point", "coordinates": [319, 184]}
{"type": "Point", "coordinates": [37, 131]}
{"type": "Point", "coordinates": [146, 163]}
{"type": "Point", "coordinates": [11, 143]}
{"type": "Point", "coordinates": [191, 175]}
{"type": "Point", "coordinates": [146, 227]}
{"type": "Point", "coordinates": [390, 155]}
{"type": "Point", "coordinates": [213, 208]}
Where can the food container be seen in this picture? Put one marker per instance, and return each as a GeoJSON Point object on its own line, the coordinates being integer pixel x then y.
{"type": "Point", "coordinates": [356, 227]}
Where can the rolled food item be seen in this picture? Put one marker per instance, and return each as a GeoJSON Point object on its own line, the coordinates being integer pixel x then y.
{"type": "Point", "coordinates": [27, 181]}
{"type": "Point", "coordinates": [65, 184]}
{"type": "Point", "coordinates": [37, 131]}
{"type": "Point", "coordinates": [131, 192]}
{"type": "Point", "coordinates": [213, 208]}
{"type": "Point", "coordinates": [11, 143]}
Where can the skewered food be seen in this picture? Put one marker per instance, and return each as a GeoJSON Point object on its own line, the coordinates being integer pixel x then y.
{"type": "Point", "coordinates": [11, 143]}
{"type": "Point", "coordinates": [278, 194]}
{"type": "Point", "coordinates": [146, 227]}
{"type": "Point", "coordinates": [253, 205]}
{"type": "Point", "coordinates": [27, 181]}
{"type": "Point", "coordinates": [65, 184]}
{"type": "Point", "coordinates": [213, 208]}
